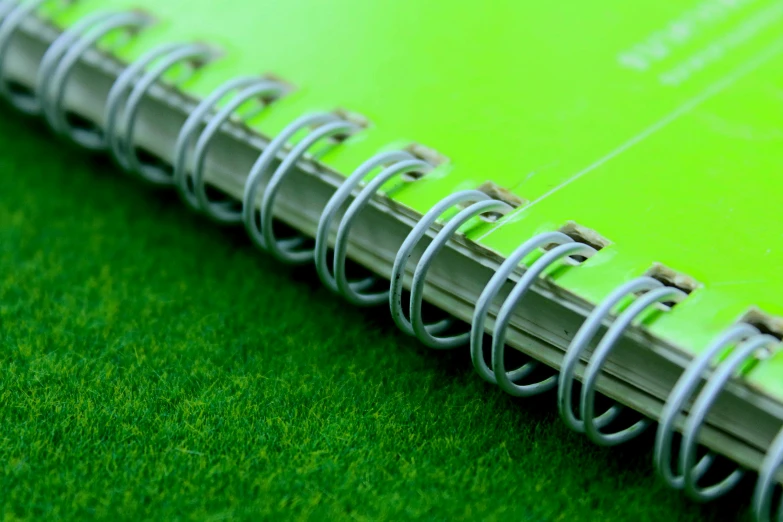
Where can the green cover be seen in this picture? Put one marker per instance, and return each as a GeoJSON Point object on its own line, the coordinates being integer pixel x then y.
{"type": "Point", "coordinates": [657, 124]}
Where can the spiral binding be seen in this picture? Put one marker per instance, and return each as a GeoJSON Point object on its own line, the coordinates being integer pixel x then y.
{"type": "Point", "coordinates": [395, 163]}
{"type": "Point", "coordinates": [656, 293]}
{"type": "Point", "coordinates": [678, 397]}
{"type": "Point", "coordinates": [566, 249]}
{"type": "Point", "coordinates": [481, 203]}
{"type": "Point", "coordinates": [221, 211]}
{"type": "Point", "coordinates": [256, 212]}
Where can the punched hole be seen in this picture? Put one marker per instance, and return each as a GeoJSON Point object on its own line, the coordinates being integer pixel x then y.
{"type": "Point", "coordinates": [410, 177]}
{"type": "Point", "coordinates": [326, 145]}
{"type": "Point", "coordinates": [150, 19]}
{"type": "Point", "coordinates": [272, 77]}
{"type": "Point", "coordinates": [119, 37]}
{"type": "Point", "coordinates": [498, 193]}
{"type": "Point", "coordinates": [183, 70]}
{"type": "Point", "coordinates": [766, 324]}
{"type": "Point", "coordinates": [259, 103]}
{"type": "Point", "coordinates": [355, 118]}
{"type": "Point", "coordinates": [251, 108]}
{"type": "Point", "coordinates": [491, 217]}
{"type": "Point", "coordinates": [425, 154]}
{"type": "Point", "coordinates": [673, 279]}
{"type": "Point", "coordinates": [582, 235]}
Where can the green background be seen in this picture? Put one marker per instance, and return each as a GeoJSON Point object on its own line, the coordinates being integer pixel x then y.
{"type": "Point", "coordinates": [154, 365]}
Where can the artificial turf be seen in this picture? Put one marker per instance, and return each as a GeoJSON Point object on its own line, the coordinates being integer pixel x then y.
{"type": "Point", "coordinates": [156, 366]}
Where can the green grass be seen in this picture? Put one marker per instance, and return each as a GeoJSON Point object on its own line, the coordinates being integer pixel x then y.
{"type": "Point", "coordinates": [156, 366]}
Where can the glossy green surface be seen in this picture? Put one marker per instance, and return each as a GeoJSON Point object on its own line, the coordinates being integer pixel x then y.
{"type": "Point", "coordinates": [657, 124]}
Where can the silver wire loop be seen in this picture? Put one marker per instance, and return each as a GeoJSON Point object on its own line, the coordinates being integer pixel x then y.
{"type": "Point", "coordinates": [422, 267]}
{"type": "Point", "coordinates": [280, 249]}
{"type": "Point", "coordinates": [767, 482]}
{"type": "Point", "coordinates": [394, 163]}
{"type": "Point", "coordinates": [698, 414]}
{"type": "Point", "coordinates": [624, 320]}
{"type": "Point", "coordinates": [579, 344]}
{"type": "Point", "coordinates": [680, 395]}
{"type": "Point", "coordinates": [260, 168]}
{"type": "Point", "coordinates": [62, 44]}
{"type": "Point", "coordinates": [568, 248]}
{"type": "Point", "coordinates": [59, 62]}
{"type": "Point", "coordinates": [187, 134]}
{"type": "Point", "coordinates": [116, 96]}
{"type": "Point", "coordinates": [15, 16]}
{"type": "Point", "coordinates": [406, 252]}
{"type": "Point", "coordinates": [322, 126]}
{"type": "Point", "coordinates": [353, 292]}
{"type": "Point", "coordinates": [491, 291]}
{"type": "Point", "coordinates": [224, 211]}
{"type": "Point", "coordinates": [120, 134]}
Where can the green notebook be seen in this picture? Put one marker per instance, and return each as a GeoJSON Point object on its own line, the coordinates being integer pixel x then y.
{"type": "Point", "coordinates": [592, 185]}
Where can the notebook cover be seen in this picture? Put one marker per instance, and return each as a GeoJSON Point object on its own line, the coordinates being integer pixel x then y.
{"type": "Point", "coordinates": [655, 124]}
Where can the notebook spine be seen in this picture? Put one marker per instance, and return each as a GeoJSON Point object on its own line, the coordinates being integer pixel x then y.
{"type": "Point", "coordinates": [263, 182]}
